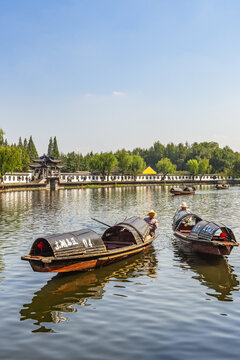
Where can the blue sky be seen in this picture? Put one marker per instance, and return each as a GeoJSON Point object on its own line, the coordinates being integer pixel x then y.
{"type": "Point", "coordinates": [106, 74]}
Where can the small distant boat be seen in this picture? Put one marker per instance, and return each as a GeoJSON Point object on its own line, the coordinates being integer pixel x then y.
{"type": "Point", "coordinates": [189, 190]}
{"type": "Point", "coordinates": [85, 249]}
{"type": "Point", "coordinates": [203, 236]}
{"type": "Point", "coordinates": [222, 186]}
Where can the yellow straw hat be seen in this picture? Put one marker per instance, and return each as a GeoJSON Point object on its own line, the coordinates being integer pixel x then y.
{"type": "Point", "coordinates": [152, 212]}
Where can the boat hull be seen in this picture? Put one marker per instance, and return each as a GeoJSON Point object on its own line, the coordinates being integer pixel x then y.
{"type": "Point", "coordinates": [206, 247]}
{"type": "Point", "coordinates": [183, 192]}
{"type": "Point", "coordinates": [220, 187]}
{"type": "Point", "coordinates": [40, 264]}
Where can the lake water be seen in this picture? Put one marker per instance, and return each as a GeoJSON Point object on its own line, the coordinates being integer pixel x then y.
{"type": "Point", "coordinates": [160, 305]}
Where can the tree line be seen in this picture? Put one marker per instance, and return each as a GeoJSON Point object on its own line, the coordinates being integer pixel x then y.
{"type": "Point", "coordinates": [16, 157]}
{"type": "Point", "coordinates": [197, 158]}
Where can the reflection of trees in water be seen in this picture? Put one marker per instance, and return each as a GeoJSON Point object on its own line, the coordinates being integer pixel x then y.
{"type": "Point", "coordinates": [63, 291]}
{"type": "Point", "coordinates": [213, 272]}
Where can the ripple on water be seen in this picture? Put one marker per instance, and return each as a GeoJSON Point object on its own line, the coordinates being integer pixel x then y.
{"type": "Point", "coordinates": [160, 305]}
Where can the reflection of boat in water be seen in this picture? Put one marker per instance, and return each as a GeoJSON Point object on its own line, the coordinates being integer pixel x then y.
{"type": "Point", "coordinates": [84, 249]}
{"type": "Point", "coordinates": [214, 273]}
{"type": "Point", "coordinates": [189, 190]}
{"type": "Point", "coordinates": [65, 291]}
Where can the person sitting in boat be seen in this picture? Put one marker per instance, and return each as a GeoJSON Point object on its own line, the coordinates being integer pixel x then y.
{"type": "Point", "coordinates": [187, 221]}
{"type": "Point", "coordinates": [183, 206]}
{"type": "Point", "coordinates": [153, 223]}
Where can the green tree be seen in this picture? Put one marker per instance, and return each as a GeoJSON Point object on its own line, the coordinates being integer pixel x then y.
{"type": "Point", "coordinates": [236, 167]}
{"type": "Point", "coordinates": [10, 159]}
{"type": "Point", "coordinates": [24, 155]}
{"type": "Point", "coordinates": [79, 162]}
{"type": "Point", "coordinates": [70, 162]}
{"type": "Point", "coordinates": [94, 163]}
{"type": "Point", "coordinates": [25, 144]}
{"type": "Point", "coordinates": [25, 159]}
{"type": "Point", "coordinates": [55, 151]}
{"type": "Point", "coordinates": [32, 149]}
{"type": "Point", "coordinates": [204, 167]}
{"type": "Point", "coordinates": [104, 163]}
{"type": "Point", "coordinates": [182, 152]}
{"type": "Point", "coordinates": [20, 142]}
{"type": "Point", "coordinates": [171, 152]}
{"type": "Point", "coordinates": [73, 162]}
{"type": "Point", "coordinates": [110, 161]}
{"type": "Point", "coordinates": [222, 159]}
{"type": "Point", "coordinates": [85, 165]}
{"type": "Point", "coordinates": [192, 167]}
{"type": "Point", "coordinates": [1, 137]}
{"type": "Point", "coordinates": [124, 160]}
{"type": "Point", "coordinates": [154, 154]}
{"type": "Point", "coordinates": [165, 166]}
{"type": "Point", "coordinates": [50, 147]}
{"type": "Point", "coordinates": [137, 165]}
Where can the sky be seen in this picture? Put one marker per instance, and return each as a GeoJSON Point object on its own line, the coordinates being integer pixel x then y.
{"type": "Point", "coordinates": [103, 75]}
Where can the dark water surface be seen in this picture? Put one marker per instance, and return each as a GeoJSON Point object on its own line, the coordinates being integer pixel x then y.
{"type": "Point", "coordinates": [160, 305]}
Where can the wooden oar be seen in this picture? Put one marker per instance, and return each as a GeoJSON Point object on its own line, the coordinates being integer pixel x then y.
{"type": "Point", "coordinates": [101, 222]}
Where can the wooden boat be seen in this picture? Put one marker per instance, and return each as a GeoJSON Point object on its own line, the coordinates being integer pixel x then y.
{"type": "Point", "coordinates": [66, 290]}
{"type": "Point", "coordinates": [189, 190]}
{"type": "Point", "coordinates": [203, 236]}
{"type": "Point", "coordinates": [222, 186]}
{"type": "Point", "coordinates": [84, 249]}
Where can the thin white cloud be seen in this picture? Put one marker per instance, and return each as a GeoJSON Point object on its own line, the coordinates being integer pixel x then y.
{"type": "Point", "coordinates": [118, 93]}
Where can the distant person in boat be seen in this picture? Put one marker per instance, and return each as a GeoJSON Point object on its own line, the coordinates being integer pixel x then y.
{"type": "Point", "coordinates": [184, 207]}
{"type": "Point", "coordinates": [153, 223]}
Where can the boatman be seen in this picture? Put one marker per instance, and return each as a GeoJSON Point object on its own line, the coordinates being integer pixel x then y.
{"type": "Point", "coordinates": [184, 206]}
{"type": "Point", "coordinates": [186, 221]}
{"type": "Point", "coordinates": [153, 223]}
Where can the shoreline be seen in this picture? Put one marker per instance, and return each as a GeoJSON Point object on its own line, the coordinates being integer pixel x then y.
{"type": "Point", "coordinates": [90, 185]}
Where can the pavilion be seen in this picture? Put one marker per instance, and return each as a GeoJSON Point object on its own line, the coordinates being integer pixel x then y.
{"type": "Point", "coordinates": [46, 167]}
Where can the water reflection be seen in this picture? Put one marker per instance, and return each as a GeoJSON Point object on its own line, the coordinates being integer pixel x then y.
{"type": "Point", "coordinates": [2, 267]}
{"type": "Point", "coordinates": [63, 292]}
{"type": "Point", "coordinates": [212, 272]}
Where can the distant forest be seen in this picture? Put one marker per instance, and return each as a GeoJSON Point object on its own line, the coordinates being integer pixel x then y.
{"type": "Point", "coordinates": [197, 158]}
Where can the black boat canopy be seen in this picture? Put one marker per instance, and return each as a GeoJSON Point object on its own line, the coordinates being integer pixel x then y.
{"type": "Point", "coordinates": [181, 215]}
{"type": "Point", "coordinates": [71, 243]}
{"type": "Point", "coordinates": [189, 188]}
{"type": "Point", "coordinates": [138, 227]}
{"type": "Point", "coordinates": [176, 189]}
{"type": "Point", "coordinates": [86, 241]}
{"type": "Point", "coordinates": [205, 230]}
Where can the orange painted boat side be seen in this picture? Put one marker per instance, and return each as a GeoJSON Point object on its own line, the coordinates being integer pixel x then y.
{"type": "Point", "coordinates": [183, 192]}
{"type": "Point", "coordinates": [84, 263]}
